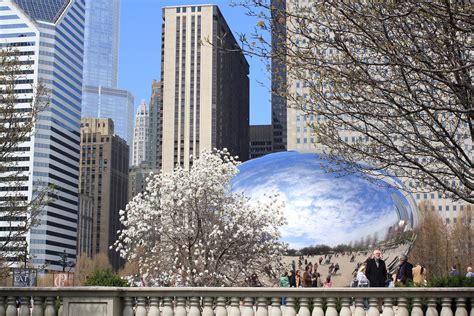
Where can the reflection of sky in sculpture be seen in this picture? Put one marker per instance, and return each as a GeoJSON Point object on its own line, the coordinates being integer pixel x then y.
{"type": "Point", "coordinates": [321, 208]}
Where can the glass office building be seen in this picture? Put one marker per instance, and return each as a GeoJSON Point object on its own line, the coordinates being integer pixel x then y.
{"type": "Point", "coordinates": [48, 34]}
{"type": "Point", "coordinates": [101, 98]}
{"type": "Point", "coordinates": [117, 104]}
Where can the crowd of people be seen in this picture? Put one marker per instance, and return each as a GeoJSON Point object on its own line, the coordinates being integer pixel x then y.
{"type": "Point", "coordinates": [310, 277]}
{"type": "Point", "coordinates": [372, 272]}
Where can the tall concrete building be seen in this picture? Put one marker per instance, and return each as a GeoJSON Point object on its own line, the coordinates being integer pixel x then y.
{"type": "Point", "coordinates": [49, 38]}
{"type": "Point", "coordinates": [279, 78]}
{"type": "Point", "coordinates": [261, 140]}
{"type": "Point", "coordinates": [153, 147]}
{"type": "Point", "coordinates": [205, 86]}
{"type": "Point", "coordinates": [101, 97]}
{"type": "Point", "coordinates": [140, 135]}
{"type": "Point", "coordinates": [137, 179]}
{"type": "Point", "coordinates": [84, 225]}
{"type": "Point", "coordinates": [295, 124]}
{"type": "Point", "coordinates": [104, 177]}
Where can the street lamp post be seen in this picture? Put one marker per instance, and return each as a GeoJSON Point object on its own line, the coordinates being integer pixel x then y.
{"type": "Point", "coordinates": [64, 260]}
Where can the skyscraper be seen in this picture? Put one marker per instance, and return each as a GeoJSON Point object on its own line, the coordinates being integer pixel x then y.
{"type": "Point", "coordinates": [205, 86]}
{"type": "Point", "coordinates": [101, 97]}
{"type": "Point", "coordinates": [153, 147]}
{"type": "Point", "coordinates": [279, 78]}
{"type": "Point", "coordinates": [261, 140]}
{"type": "Point", "coordinates": [101, 43]}
{"type": "Point", "coordinates": [103, 177]}
{"type": "Point", "coordinates": [117, 104]}
{"type": "Point", "coordinates": [49, 36]}
{"type": "Point", "coordinates": [140, 135]}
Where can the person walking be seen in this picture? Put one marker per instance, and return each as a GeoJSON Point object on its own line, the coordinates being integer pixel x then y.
{"type": "Point", "coordinates": [404, 274]}
{"type": "Point", "coordinates": [284, 282]}
{"type": "Point", "coordinates": [376, 271]}
{"type": "Point", "coordinates": [469, 273]}
{"type": "Point", "coordinates": [454, 272]}
{"type": "Point", "coordinates": [292, 279]}
{"type": "Point", "coordinates": [360, 280]}
{"type": "Point", "coordinates": [306, 282]}
{"type": "Point", "coordinates": [298, 278]}
{"type": "Point", "coordinates": [419, 274]}
{"type": "Point", "coordinates": [328, 282]}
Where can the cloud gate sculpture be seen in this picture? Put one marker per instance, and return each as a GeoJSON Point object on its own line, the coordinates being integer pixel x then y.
{"type": "Point", "coordinates": [325, 208]}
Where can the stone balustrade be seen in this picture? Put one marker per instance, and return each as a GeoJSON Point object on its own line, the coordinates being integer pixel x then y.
{"type": "Point", "coordinates": [107, 301]}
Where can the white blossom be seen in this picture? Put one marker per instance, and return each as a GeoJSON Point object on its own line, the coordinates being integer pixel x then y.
{"type": "Point", "coordinates": [188, 228]}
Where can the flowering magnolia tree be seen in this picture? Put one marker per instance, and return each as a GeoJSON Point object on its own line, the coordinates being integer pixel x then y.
{"type": "Point", "coordinates": [187, 228]}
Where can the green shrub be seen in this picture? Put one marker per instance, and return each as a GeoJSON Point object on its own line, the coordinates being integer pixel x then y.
{"type": "Point", "coordinates": [105, 278]}
{"type": "Point", "coordinates": [459, 281]}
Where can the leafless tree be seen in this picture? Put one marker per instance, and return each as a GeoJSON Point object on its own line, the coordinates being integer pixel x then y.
{"type": "Point", "coordinates": [18, 211]}
{"type": "Point", "coordinates": [396, 75]}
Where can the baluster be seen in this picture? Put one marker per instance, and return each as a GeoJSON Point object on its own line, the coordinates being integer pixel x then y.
{"type": "Point", "coordinates": [416, 309]}
{"type": "Point", "coordinates": [61, 307]}
{"type": "Point", "coordinates": [402, 307]}
{"type": "Point", "coordinates": [276, 307]}
{"type": "Point", "coordinates": [24, 306]}
{"type": "Point", "coordinates": [141, 306]}
{"type": "Point", "coordinates": [345, 309]}
{"type": "Point", "coordinates": [388, 307]}
{"type": "Point", "coordinates": [50, 309]}
{"type": "Point", "coordinates": [446, 307]}
{"type": "Point", "coordinates": [248, 307]}
{"type": "Point", "coordinates": [234, 309]}
{"type": "Point", "coordinates": [431, 310]}
{"type": "Point", "coordinates": [167, 307]}
{"type": "Point", "coordinates": [128, 306]}
{"type": "Point", "coordinates": [318, 307]}
{"type": "Point", "coordinates": [180, 306]}
{"type": "Point", "coordinates": [194, 306]}
{"type": "Point", "coordinates": [460, 307]}
{"type": "Point", "coordinates": [37, 306]}
{"type": "Point", "coordinates": [207, 306]}
{"type": "Point", "coordinates": [154, 307]}
{"type": "Point", "coordinates": [11, 306]}
{"type": "Point", "coordinates": [359, 309]}
{"type": "Point", "coordinates": [331, 307]}
{"type": "Point", "coordinates": [373, 307]}
{"type": "Point", "coordinates": [304, 307]}
{"type": "Point", "coordinates": [2, 306]}
{"type": "Point", "coordinates": [262, 306]}
{"type": "Point", "coordinates": [290, 307]}
{"type": "Point", "coordinates": [472, 307]}
{"type": "Point", "coordinates": [221, 309]}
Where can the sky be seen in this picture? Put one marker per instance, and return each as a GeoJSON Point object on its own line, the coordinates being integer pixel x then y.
{"type": "Point", "coordinates": [140, 50]}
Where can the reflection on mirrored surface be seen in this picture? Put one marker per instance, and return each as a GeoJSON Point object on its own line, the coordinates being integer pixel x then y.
{"type": "Point", "coordinates": [348, 214]}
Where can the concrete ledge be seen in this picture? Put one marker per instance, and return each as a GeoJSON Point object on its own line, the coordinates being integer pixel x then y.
{"type": "Point", "coordinates": [119, 292]}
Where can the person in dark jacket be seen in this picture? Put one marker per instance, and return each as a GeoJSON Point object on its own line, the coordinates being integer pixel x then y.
{"type": "Point", "coordinates": [292, 278]}
{"type": "Point", "coordinates": [376, 271]}
{"type": "Point", "coordinates": [404, 274]}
